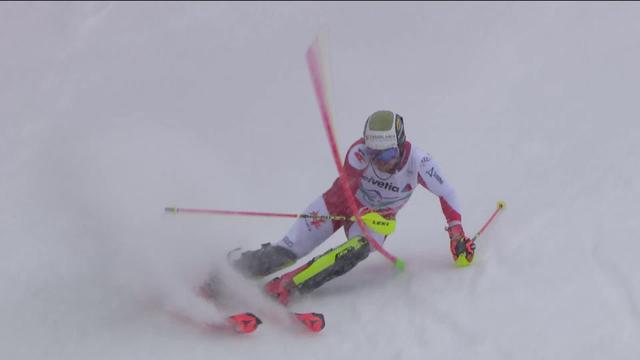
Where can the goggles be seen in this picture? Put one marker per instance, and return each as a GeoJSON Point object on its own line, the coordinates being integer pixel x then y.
{"type": "Point", "coordinates": [383, 155]}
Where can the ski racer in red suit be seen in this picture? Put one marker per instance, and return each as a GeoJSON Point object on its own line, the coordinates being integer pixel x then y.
{"type": "Point", "coordinates": [383, 170]}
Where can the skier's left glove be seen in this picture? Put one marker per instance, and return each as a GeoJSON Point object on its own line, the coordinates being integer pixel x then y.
{"type": "Point", "coordinates": [462, 248]}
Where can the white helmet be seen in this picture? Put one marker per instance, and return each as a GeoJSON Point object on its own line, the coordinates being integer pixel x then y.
{"type": "Point", "coordinates": [384, 130]}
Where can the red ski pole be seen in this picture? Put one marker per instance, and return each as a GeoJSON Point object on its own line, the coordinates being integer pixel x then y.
{"type": "Point", "coordinates": [501, 205]}
{"type": "Point", "coordinates": [177, 210]}
{"type": "Point", "coordinates": [462, 261]}
{"type": "Point", "coordinates": [373, 220]}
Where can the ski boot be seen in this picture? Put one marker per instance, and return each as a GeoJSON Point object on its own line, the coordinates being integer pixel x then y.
{"type": "Point", "coordinates": [262, 262]}
{"type": "Point", "coordinates": [283, 286]}
{"type": "Point", "coordinates": [319, 270]}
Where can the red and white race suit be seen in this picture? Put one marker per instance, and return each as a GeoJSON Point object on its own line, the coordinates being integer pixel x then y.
{"type": "Point", "coordinates": [375, 190]}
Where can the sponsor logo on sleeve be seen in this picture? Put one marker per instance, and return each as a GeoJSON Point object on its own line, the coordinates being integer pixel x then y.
{"type": "Point", "coordinates": [432, 172]}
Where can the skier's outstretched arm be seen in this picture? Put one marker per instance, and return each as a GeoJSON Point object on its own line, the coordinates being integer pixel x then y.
{"type": "Point", "coordinates": [430, 176]}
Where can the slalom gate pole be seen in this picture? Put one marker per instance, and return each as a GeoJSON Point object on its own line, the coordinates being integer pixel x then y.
{"type": "Point", "coordinates": [318, 68]}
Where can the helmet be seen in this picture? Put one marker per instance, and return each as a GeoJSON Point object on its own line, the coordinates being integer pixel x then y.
{"type": "Point", "coordinates": [384, 130]}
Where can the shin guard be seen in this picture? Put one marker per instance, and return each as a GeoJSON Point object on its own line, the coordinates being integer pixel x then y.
{"type": "Point", "coordinates": [331, 264]}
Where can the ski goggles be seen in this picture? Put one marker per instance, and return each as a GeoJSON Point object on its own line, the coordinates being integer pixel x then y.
{"type": "Point", "coordinates": [383, 155]}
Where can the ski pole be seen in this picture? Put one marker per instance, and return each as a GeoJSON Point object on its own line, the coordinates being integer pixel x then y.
{"type": "Point", "coordinates": [501, 204]}
{"type": "Point", "coordinates": [374, 220]}
{"type": "Point", "coordinates": [462, 261]}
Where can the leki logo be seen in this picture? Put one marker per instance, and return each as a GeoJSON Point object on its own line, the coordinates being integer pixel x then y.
{"type": "Point", "coordinates": [380, 222]}
{"type": "Point", "coordinates": [359, 155]}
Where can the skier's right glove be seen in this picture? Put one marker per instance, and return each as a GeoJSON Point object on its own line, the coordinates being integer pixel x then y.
{"type": "Point", "coordinates": [463, 249]}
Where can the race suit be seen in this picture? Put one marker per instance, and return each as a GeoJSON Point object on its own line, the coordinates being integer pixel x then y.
{"type": "Point", "coordinates": [385, 193]}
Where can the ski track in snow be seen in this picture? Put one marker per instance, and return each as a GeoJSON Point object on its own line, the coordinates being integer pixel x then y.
{"type": "Point", "coordinates": [111, 111]}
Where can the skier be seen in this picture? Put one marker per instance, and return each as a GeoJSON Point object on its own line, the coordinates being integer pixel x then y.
{"type": "Point", "coordinates": [383, 169]}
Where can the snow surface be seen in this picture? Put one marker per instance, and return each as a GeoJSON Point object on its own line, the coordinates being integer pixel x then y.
{"type": "Point", "coordinates": [111, 111]}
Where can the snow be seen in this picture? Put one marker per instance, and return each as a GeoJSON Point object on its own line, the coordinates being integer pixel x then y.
{"type": "Point", "coordinates": [111, 111]}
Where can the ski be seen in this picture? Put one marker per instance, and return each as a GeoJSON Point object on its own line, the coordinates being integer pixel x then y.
{"type": "Point", "coordinates": [313, 321]}
{"type": "Point", "coordinates": [244, 323]}
{"type": "Point", "coordinates": [247, 322]}
{"type": "Point", "coordinates": [241, 323]}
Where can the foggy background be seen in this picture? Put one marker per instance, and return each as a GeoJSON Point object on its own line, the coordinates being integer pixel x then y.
{"type": "Point", "coordinates": [111, 111]}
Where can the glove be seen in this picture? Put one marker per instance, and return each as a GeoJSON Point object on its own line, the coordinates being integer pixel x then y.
{"type": "Point", "coordinates": [461, 245]}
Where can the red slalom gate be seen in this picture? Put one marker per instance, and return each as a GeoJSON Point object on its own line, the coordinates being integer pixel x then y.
{"type": "Point", "coordinates": [318, 77]}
